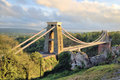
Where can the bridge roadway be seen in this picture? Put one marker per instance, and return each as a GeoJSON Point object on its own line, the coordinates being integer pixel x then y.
{"type": "Point", "coordinates": [72, 48]}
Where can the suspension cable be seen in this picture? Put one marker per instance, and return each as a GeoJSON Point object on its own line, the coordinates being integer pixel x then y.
{"type": "Point", "coordinates": [102, 37]}
{"type": "Point", "coordinates": [35, 40]}
{"type": "Point", "coordinates": [28, 39]}
{"type": "Point", "coordinates": [82, 41]}
{"type": "Point", "coordinates": [74, 37]}
{"type": "Point", "coordinates": [70, 38]}
{"type": "Point", "coordinates": [99, 38]}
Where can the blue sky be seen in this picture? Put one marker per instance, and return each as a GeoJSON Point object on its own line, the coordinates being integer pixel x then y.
{"type": "Point", "coordinates": [76, 15]}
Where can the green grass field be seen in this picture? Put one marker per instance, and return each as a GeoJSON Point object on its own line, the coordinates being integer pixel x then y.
{"type": "Point", "coordinates": [94, 73]}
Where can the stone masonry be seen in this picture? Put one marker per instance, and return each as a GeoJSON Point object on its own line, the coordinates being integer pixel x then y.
{"type": "Point", "coordinates": [54, 40]}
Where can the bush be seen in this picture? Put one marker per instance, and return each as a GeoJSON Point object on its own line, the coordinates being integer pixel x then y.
{"type": "Point", "coordinates": [64, 62]}
{"type": "Point", "coordinates": [36, 57]}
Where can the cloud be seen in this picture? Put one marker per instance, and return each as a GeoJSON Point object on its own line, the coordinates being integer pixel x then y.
{"type": "Point", "coordinates": [82, 15]}
{"type": "Point", "coordinates": [4, 2]}
{"type": "Point", "coordinates": [86, 10]}
{"type": "Point", "coordinates": [21, 1]}
{"type": "Point", "coordinates": [18, 16]}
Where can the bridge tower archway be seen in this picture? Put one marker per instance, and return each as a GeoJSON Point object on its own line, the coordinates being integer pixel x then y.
{"type": "Point", "coordinates": [54, 39]}
{"type": "Point", "coordinates": [51, 42]}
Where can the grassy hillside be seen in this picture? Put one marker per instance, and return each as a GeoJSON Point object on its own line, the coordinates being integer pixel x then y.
{"type": "Point", "coordinates": [95, 73]}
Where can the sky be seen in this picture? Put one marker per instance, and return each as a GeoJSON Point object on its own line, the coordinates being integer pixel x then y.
{"type": "Point", "coordinates": [75, 15]}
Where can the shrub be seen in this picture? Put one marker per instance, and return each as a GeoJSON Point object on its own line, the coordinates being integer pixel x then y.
{"type": "Point", "coordinates": [36, 56]}
{"type": "Point", "coordinates": [64, 62]}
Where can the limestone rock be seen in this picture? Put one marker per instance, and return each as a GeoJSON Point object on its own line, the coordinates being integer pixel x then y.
{"type": "Point", "coordinates": [116, 50]}
{"type": "Point", "coordinates": [81, 59]}
{"type": "Point", "coordinates": [97, 59]}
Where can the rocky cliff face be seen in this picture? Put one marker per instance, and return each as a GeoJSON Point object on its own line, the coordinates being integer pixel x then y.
{"type": "Point", "coordinates": [116, 50]}
{"type": "Point", "coordinates": [79, 59]}
{"type": "Point", "coordinates": [82, 60]}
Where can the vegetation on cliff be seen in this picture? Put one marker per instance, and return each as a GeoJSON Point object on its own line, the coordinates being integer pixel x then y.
{"type": "Point", "coordinates": [23, 65]}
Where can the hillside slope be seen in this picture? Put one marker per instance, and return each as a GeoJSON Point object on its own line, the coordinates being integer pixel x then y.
{"type": "Point", "coordinates": [103, 72]}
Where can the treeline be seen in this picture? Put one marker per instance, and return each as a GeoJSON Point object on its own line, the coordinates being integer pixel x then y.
{"type": "Point", "coordinates": [37, 46]}
{"type": "Point", "coordinates": [22, 65]}
{"type": "Point", "coordinates": [86, 37]}
{"type": "Point", "coordinates": [91, 36]}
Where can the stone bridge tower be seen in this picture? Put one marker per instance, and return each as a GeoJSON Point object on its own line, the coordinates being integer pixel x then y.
{"type": "Point", "coordinates": [54, 39]}
{"type": "Point", "coordinates": [105, 46]}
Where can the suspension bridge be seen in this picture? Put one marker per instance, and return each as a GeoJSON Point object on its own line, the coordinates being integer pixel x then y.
{"type": "Point", "coordinates": [54, 40]}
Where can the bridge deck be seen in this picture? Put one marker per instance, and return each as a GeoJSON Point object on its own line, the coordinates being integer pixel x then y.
{"type": "Point", "coordinates": [72, 48]}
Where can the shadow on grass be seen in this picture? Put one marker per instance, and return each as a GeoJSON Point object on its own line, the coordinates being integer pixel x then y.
{"type": "Point", "coordinates": [50, 75]}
